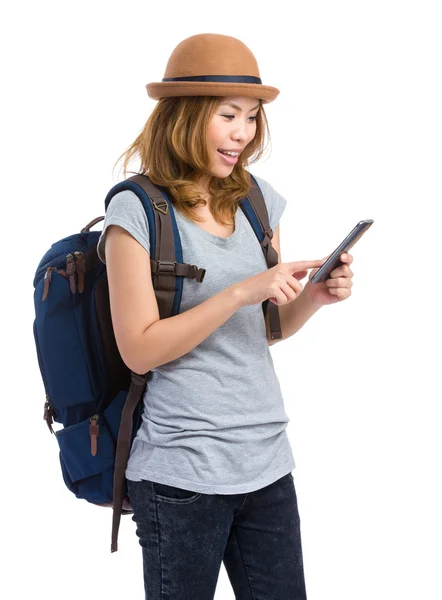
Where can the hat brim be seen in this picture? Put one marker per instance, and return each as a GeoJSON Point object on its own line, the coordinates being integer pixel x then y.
{"type": "Point", "coordinates": [167, 89]}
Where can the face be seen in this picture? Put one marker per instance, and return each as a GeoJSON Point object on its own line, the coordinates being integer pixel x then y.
{"type": "Point", "coordinates": [232, 127]}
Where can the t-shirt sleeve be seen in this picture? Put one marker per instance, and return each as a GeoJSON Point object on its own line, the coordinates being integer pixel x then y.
{"type": "Point", "coordinates": [274, 201]}
{"type": "Point", "coordinates": [126, 210]}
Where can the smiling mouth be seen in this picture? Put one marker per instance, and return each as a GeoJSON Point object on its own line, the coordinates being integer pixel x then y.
{"type": "Point", "coordinates": [227, 152]}
{"type": "Point", "coordinates": [227, 158]}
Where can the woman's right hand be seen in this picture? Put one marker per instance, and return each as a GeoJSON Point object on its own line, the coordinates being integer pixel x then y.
{"type": "Point", "coordinates": [280, 283]}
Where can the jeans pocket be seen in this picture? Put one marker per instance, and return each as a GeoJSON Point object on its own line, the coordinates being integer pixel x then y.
{"type": "Point", "coordinates": [174, 495]}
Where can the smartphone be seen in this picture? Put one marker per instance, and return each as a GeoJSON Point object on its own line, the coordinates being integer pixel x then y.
{"type": "Point", "coordinates": [334, 260]}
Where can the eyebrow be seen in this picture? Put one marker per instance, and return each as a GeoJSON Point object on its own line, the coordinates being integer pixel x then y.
{"type": "Point", "coordinates": [237, 107]}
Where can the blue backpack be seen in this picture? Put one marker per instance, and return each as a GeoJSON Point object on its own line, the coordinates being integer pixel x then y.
{"type": "Point", "coordinates": [89, 389]}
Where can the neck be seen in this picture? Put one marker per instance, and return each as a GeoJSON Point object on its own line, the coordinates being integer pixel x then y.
{"type": "Point", "coordinates": [203, 184]}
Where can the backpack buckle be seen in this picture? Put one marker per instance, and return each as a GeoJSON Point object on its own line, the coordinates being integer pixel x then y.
{"type": "Point", "coordinates": [165, 267]}
{"type": "Point", "coordinates": [268, 234]}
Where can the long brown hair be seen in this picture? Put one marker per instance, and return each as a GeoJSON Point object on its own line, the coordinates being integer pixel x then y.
{"type": "Point", "coordinates": [173, 152]}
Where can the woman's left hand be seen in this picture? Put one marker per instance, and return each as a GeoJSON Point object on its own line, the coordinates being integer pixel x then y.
{"type": "Point", "coordinates": [334, 289]}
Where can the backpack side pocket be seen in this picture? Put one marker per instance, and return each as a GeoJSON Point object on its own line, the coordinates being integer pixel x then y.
{"type": "Point", "coordinates": [87, 453]}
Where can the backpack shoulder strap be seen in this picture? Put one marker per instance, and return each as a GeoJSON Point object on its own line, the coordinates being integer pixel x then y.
{"type": "Point", "coordinates": [255, 209]}
{"type": "Point", "coordinates": [166, 251]}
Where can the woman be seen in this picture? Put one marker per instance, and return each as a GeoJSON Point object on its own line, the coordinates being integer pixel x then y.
{"type": "Point", "coordinates": [209, 474]}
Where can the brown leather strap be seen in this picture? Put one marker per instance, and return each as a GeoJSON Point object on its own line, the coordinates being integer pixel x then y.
{"type": "Point", "coordinates": [136, 391]}
{"type": "Point", "coordinates": [91, 224]}
{"type": "Point", "coordinates": [258, 204]}
{"type": "Point", "coordinates": [174, 268]}
{"type": "Point", "coordinates": [164, 251]}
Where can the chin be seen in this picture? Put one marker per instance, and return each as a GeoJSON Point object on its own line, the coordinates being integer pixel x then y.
{"type": "Point", "coordinates": [222, 171]}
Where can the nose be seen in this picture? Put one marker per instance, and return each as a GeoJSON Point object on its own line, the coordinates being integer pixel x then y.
{"type": "Point", "coordinates": [240, 132]}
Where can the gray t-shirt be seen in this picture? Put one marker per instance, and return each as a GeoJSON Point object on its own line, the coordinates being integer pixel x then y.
{"type": "Point", "coordinates": [214, 420]}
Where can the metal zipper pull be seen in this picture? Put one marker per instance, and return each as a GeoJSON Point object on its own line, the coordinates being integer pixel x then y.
{"type": "Point", "coordinates": [70, 270]}
{"type": "Point", "coordinates": [81, 269]}
{"type": "Point", "coordinates": [94, 431]}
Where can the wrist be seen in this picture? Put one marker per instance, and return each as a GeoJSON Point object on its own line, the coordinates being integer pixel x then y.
{"type": "Point", "coordinates": [236, 295]}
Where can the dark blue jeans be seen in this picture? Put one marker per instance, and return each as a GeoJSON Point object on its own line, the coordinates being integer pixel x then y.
{"type": "Point", "coordinates": [186, 535]}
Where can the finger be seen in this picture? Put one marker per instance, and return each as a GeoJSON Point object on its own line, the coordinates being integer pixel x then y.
{"type": "Point", "coordinates": [338, 282]}
{"type": "Point", "coordinates": [292, 289]}
{"type": "Point", "coordinates": [342, 271]}
{"type": "Point", "coordinates": [286, 293]}
{"type": "Point", "coordinates": [293, 285]}
{"type": "Point", "coordinates": [340, 293]}
{"type": "Point", "coordinates": [312, 272]}
{"type": "Point", "coordinates": [346, 258]}
{"type": "Point", "coordinates": [302, 265]}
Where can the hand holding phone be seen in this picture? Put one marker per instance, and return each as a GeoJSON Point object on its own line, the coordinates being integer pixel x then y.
{"type": "Point", "coordinates": [334, 260]}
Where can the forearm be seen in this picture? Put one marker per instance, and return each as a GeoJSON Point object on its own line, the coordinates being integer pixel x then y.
{"type": "Point", "coordinates": [295, 315]}
{"type": "Point", "coordinates": [169, 339]}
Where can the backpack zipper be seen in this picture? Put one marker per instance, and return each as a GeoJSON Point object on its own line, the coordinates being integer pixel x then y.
{"type": "Point", "coordinates": [94, 430]}
{"type": "Point", "coordinates": [48, 277]}
{"type": "Point", "coordinates": [75, 264]}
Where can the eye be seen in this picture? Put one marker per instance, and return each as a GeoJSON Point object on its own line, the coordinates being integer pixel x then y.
{"type": "Point", "coordinates": [233, 116]}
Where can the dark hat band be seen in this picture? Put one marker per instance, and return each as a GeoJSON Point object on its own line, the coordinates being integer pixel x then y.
{"type": "Point", "coordinates": [218, 78]}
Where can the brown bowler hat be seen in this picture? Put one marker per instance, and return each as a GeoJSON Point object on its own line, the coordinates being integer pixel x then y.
{"type": "Point", "coordinates": [210, 64]}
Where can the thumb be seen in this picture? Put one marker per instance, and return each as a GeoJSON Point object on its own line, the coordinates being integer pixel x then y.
{"type": "Point", "coordinates": [300, 274]}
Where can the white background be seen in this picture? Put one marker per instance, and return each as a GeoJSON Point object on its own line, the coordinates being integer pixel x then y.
{"type": "Point", "coordinates": [356, 134]}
